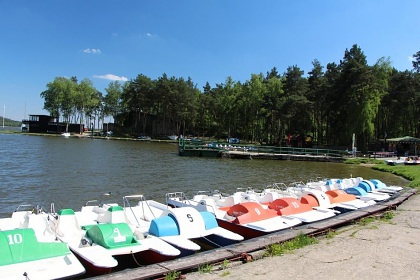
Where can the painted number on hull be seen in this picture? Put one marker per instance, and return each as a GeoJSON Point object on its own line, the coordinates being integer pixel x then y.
{"type": "Point", "coordinates": [190, 218]}
{"type": "Point", "coordinates": [257, 211]}
{"type": "Point", "coordinates": [15, 238]}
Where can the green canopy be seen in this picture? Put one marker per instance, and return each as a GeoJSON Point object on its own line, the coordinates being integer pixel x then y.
{"type": "Point", "coordinates": [405, 140]}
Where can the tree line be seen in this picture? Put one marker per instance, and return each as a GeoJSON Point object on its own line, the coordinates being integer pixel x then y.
{"type": "Point", "coordinates": [328, 105]}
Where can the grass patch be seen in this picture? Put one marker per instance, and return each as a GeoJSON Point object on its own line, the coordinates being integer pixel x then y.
{"type": "Point", "coordinates": [387, 216]}
{"type": "Point", "coordinates": [224, 265]}
{"type": "Point", "coordinates": [384, 217]}
{"type": "Point", "coordinates": [331, 234]}
{"type": "Point", "coordinates": [205, 268]}
{"type": "Point", "coordinates": [409, 172]}
{"type": "Point", "coordinates": [367, 220]}
{"type": "Point", "coordinates": [172, 275]}
{"type": "Point", "coordinates": [299, 241]}
{"type": "Point", "coordinates": [364, 161]}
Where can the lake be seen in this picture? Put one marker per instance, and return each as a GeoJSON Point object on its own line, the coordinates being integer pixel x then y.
{"type": "Point", "coordinates": [71, 171]}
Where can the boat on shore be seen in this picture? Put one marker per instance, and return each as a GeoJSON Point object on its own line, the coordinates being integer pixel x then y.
{"type": "Point", "coordinates": [185, 228]}
{"type": "Point", "coordinates": [249, 219]}
{"type": "Point", "coordinates": [411, 161]}
{"type": "Point", "coordinates": [96, 259]}
{"type": "Point", "coordinates": [29, 249]}
{"type": "Point", "coordinates": [131, 246]}
{"type": "Point", "coordinates": [24, 256]}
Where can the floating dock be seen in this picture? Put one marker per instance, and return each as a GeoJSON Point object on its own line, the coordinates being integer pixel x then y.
{"type": "Point", "coordinates": [200, 149]}
{"type": "Point", "coordinates": [280, 156]}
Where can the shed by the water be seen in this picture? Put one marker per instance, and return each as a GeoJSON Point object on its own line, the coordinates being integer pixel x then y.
{"type": "Point", "coordinates": [406, 142]}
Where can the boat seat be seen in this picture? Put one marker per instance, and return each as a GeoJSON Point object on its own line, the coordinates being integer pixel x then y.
{"type": "Point", "coordinates": [339, 196]}
{"type": "Point", "coordinates": [229, 201]}
{"type": "Point", "coordinates": [114, 214]}
{"type": "Point", "coordinates": [269, 197]}
{"type": "Point", "coordinates": [40, 226]}
{"type": "Point", "coordinates": [137, 213]}
{"type": "Point", "coordinates": [310, 200]}
{"type": "Point", "coordinates": [67, 225]}
{"type": "Point", "coordinates": [289, 206]}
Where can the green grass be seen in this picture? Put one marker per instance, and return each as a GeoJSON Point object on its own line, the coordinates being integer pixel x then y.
{"type": "Point", "coordinates": [278, 249]}
{"type": "Point", "coordinates": [205, 268]}
{"type": "Point", "coordinates": [225, 264]}
{"type": "Point", "coordinates": [172, 275]}
{"type": "Point", "coordinates": [387, 216]}
{"type": "Point", "coordinates": [365, 221]}
{"type": "Point", "coordinates": [364, 160]}
{"type": "Point", "coordinates": [409, 172]}
{"type": "Point", "coordinates": [331, 234]}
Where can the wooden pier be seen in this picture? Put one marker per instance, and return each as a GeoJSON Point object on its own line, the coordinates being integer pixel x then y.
{"type": "Point", "coordinates": [245, 249]}
{"type": "Point", "coordinates": [281, 156]}
{"type": "Point", "coordinates": [201, 149]}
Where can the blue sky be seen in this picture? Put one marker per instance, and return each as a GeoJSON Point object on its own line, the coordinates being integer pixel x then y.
{"type": "Point", "coordinates": [105, 40]}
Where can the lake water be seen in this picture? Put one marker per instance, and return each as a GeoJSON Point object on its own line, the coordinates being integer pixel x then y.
{"type": "Point", "coordinates": [71, 171]}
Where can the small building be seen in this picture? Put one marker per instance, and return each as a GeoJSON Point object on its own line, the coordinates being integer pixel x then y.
{"type": "Point", "coordinates": [49, 124]}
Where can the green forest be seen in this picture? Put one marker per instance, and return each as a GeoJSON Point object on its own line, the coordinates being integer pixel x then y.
{"type": "Point", "coordinates": [10, 123]}
{"type": "Point", "coordinates": [327, 105]}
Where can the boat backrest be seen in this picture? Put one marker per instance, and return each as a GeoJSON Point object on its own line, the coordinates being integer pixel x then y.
{"type": "Point", "coordinates": [135, 214]}
{"type": "Point", "coordinates": [340, 196]}
{"type": "Point", "coordinates": [249, 212]}
{"type": "Point", "coordinates": [289, 206]}
{"type": "Point", "coordinates": [67, 224]}
{"type": "Point", "coordinates": [87, 215]}
{"type": "Point", "coordinates": [114, 214]}
{"type": "Point", "coordinates": [18, 217]}
{"type": "Point", "coordinates": [40, 226]}
{"type": "Point", "coordinates": [310, 200]}
{"type": "Point", "coordinates": [207, 204]}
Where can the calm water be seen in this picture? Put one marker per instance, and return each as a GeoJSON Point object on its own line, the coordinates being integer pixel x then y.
{"type": "Point", "coordinates": [71, 171]}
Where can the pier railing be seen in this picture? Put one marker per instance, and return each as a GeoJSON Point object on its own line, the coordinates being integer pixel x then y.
{"type": "Point", "coordinates": [287, 150]}
{"type": "Point", "coordinates": [296, 151]}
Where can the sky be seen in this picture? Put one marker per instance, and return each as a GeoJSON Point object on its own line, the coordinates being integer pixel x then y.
{"type": "Point", "coordinates": [206, 40]}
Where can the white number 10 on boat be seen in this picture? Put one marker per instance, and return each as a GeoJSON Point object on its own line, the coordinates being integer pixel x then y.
{"type": "Point", "coordinates": [15, 238]}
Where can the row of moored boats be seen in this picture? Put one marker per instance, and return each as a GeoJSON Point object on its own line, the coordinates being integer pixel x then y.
{"type": "Point", "coordinates": [38, 243]}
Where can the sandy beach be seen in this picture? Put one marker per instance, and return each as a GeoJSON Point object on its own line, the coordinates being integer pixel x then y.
{"type": "Point", "coordinates": [378, 250]}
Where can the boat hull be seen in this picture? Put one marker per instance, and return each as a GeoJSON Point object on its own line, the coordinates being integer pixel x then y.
{"type": "Point", "coordinates": [140, 258]}
{"type": "Point", "coordinates": [91, 269]}
{"type": "Point", "coordinates": [246, 232]}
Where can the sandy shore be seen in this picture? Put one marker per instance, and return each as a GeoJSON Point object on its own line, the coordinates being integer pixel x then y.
{"type": "Point", "coordinates": [379, 250]}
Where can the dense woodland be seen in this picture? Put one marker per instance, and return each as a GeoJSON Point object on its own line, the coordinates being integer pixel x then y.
{"type": "Point", "coordinates": [327, 105]}
{"type": "Point", "coordinates": [10, 123]}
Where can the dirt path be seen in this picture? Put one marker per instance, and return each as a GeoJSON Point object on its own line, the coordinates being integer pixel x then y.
{"type": "Point", "coordinates": [378, 250]}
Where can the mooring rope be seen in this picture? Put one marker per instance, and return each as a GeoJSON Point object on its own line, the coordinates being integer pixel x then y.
{"type": "Point", "coordinates": [217, 245]}
{"type": "Point", "coordinates": [134, 258]}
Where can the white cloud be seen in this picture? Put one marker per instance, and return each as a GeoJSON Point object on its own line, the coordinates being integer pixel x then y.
{"type": "Point", "coordinates": [151, 35]}
{"type": "Point", "coordinates": [94, 51]}
{"type": "Point", "coordinates": [410, 58]}
{"type": "Point", "coordinates": [111, 77]}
